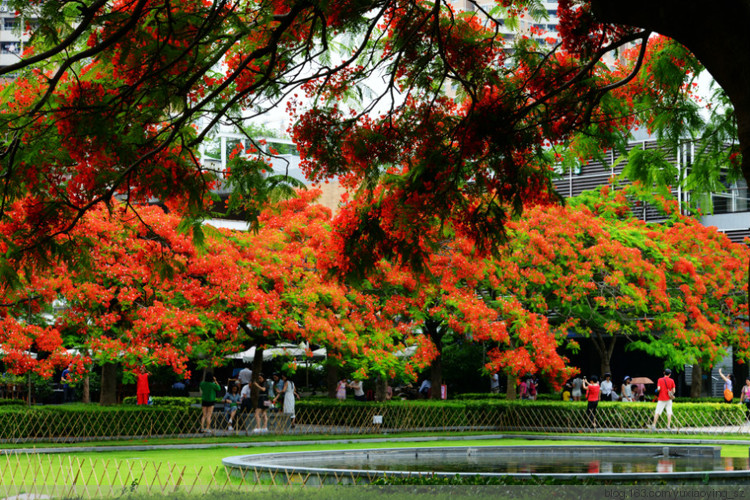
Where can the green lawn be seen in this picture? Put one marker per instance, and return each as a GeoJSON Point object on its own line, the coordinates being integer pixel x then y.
{"type": "Point", "coordinates": [123, 469]}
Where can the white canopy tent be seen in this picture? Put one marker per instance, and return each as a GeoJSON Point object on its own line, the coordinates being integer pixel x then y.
{"type": "Point", "coordinates": [296, 351]}
{"type": "Point", "coordinates": [243, 355]}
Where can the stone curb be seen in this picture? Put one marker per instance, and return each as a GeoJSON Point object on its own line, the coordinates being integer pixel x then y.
{"type": "Point", "coordinates": [389, 439]}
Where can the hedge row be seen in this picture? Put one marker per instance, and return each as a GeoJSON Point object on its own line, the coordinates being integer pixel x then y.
{"type": "Point", "coordinates": [499, 413]}
{"type": "Point", "coordinates": [174, 416]}
{"type": "Point", "coordinates": [91, 421]}
{"type": "Point", "coordinates": [180, 402]}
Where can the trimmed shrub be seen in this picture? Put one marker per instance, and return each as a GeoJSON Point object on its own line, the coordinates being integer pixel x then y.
{"type": "Point", "coordinates": [92, 421]}
{"type": "Point", "coordinates": [498, 413]}
{"type": "Point", "coordinates": [181, 402]}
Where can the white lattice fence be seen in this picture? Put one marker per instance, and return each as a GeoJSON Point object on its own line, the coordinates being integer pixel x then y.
{"type": "Point", "coordinates": [60, 424]}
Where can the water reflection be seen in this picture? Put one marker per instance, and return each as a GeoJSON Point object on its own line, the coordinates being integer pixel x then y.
{"type": "Point", "coordinates": [535, 464]}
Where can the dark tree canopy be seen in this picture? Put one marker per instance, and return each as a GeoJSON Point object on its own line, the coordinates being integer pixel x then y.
{"type": "Point", "coordinates": [715, 32]}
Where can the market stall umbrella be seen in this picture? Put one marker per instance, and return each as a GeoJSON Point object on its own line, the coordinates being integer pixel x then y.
{"type": "Point", "coordinates": [641, 380]}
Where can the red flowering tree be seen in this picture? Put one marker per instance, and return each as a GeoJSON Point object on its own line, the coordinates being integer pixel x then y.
{"type": "Point", "coordinates": [586, 274]}
{"type": "Point", "coordinates": [443, 305]}
{"type": "Point", "coordinates": [131, 301]}
{"type": "Point", "coordinates": [704, 281]}
{"type": "Point", "coordinates": [108, 91]}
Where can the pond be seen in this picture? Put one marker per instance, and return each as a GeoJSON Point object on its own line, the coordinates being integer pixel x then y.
{"type": "Point", "coordinates": [362, 466]}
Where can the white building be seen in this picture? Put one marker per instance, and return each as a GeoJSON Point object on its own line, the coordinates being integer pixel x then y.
{"type": "Point", "coordinates": [12, 36]}
{"type": "Point", "coordinates": [482, 7]}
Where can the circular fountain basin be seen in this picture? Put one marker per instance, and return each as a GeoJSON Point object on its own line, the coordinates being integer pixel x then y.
{"type": "Point", "coordinates": [610, 463]}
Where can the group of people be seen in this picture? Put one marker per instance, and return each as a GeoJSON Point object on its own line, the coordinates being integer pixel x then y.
{"type": "Point", "coordinates": [595, 391]}
{"type": "Point", "coordinates": [354, 385]}
{"type": "Point", "coordinates": [729, 391]}
{"type": "Point", "coordinates": [574, 389]}
{"type": "Point", "coordinates": [238, 397]}
{"type": "Point", "coordinates": [528, 387]}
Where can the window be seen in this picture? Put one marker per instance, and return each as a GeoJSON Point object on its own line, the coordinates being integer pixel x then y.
{"type": "Point", "coordinates": [10, 48]}
{"type": "Point", "coordinates": [9, 23]}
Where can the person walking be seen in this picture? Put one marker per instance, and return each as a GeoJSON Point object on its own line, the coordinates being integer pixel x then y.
{"type": "Point", "coordinates": [666, 388]}
{"type": "Point", "coordinates": [289, 392]}
{"type": "Point", "coordinates": [577, 384]}
{"type": "Point", "coordinates": [341, 390]}
{"type": "Point", "coordinates": [592, 396]}
{"type": "Point", "coordinates": [523, 389]}
{"type": "Point", "coordinates": [279, 389]}
{"type": "Point", "coordinates": [639, 392]}
{"type": "Point", "coordinates": [245, 376]}
{"type": "Point", "coordinates": [209, 388]}
{"type": "Point", "coordinates": [359, 392]}
{"type": "Point", "coordinates": [495, 383]}
{"type": "Point", "coordinates": [260, 408]}
{"type": "Point", "coordinates": [532, 387]}
{"type": "Point", "coordinates": [745, 396]}
{"type": "Point", "coordinates": [728, 386]}
{"type": "Point", "coordinates": [142, 391]}
{"type": "Point", "coordinates": [270, 390]}
{"type": "Point", "coordinates": [606, 388]}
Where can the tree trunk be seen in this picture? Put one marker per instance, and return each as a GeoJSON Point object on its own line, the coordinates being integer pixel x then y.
{"type": "Point", "coordinates": [381, 384]}
{"type": "Point", "coordinates": [436, 377]}
{"type": "Point", "coordinates": [511, 393]}
{"type": "Point", "coordinates": [257, 370]}
{"type": "Point", "coordinates": [86, 397]}
{"type": "Point", "coordinates": [108, 394]}
{"type": "Point", "coordinates": [696, 387]}
{"type": "Point", "coordinates": [332, 378]}
{"type": "Point", "coordinates": [604, 348]}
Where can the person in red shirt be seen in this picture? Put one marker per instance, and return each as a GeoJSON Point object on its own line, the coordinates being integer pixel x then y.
{"type": "Point", "coordinates": [142, 391]}
{"type": "Point", "coordinates": [666, 388]}
{"type": "Point", "coordinates": [592, 396]}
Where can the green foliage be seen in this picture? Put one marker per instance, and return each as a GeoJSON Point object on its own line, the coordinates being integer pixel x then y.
{"type": "Point", "coordinates": [12, 402]}
{"type": "Point", "coordinates": [55, 421]}
{"type": "Point", "coordinates": [176, 402]}
{"type": "Point", "coordinates": [651, 167]}
{"type": "Point", "coordinates": [462, 364]}
{"type": "Point", "coordinates": [515, 414]}
{"type": "Point", "coordinates": [254, 185]}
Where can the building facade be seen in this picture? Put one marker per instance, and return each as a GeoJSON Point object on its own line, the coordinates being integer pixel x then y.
{"type": "Point", "coordinates": [13, 35]}
{"type": "Point", "coordinates": [729, 210]}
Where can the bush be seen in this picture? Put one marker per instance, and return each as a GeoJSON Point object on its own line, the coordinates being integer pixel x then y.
{"type": "Point", "coordinates": [12, 402]}
{"type": "Point", "coordinates": [495, 396]}
{"type": "Point", "coordinates": [497, 413]}
{"type": "Point", "coordinates": [180, 402]}
{"type": "Point", "coordinates": [93, 421]}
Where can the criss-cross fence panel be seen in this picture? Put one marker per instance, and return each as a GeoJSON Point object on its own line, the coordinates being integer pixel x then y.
{"type": "Point", "coordinates": [520, 416]}
{"type": "Point", "coordinates": [76, 423]}
{"type": "Point", "coordinates": [66, 476]}
{"type": "Point", "coordinates": [70, 477]}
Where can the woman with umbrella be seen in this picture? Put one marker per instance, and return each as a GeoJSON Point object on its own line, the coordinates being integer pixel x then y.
{"type": "Point", "coordinates": [639, 387]}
